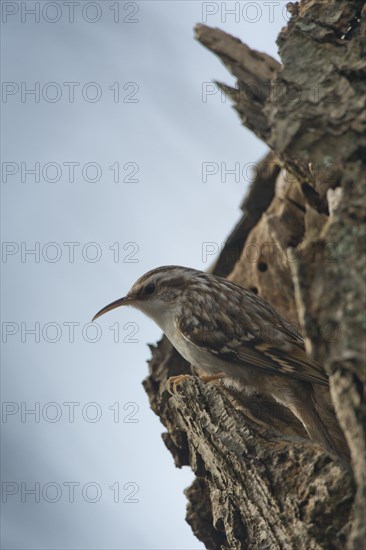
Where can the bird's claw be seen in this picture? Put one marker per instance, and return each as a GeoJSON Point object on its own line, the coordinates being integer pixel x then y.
{"type": "Point", "coordinates": [174, 381]}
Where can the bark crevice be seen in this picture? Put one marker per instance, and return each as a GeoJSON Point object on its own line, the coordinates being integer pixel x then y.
{"type": "Point", "coordinates": [260, 482]}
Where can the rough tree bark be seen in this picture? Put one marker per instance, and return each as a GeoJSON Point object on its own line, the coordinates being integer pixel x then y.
{"type": "Point", "coordinates": [300, 244]}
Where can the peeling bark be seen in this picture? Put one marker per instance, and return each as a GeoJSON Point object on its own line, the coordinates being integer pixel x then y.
{"type": "Point", "coordinates": [260, 483]}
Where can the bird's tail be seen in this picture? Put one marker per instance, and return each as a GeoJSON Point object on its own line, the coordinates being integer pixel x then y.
{"type": "Point", "coordinates": [321, 423]}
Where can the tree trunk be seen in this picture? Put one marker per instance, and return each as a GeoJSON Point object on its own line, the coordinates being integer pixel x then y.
{"type": "Point", "coordinates": [300, 244]}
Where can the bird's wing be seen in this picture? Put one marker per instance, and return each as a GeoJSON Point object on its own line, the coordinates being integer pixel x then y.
{"type": "Point", "coordinates": [264, 340]}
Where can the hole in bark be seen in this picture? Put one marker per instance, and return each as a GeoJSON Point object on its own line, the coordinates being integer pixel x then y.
{"type": "Point", "coordinates": [262, 266]}
{"type": "Point", "coordinates": [254, 289]}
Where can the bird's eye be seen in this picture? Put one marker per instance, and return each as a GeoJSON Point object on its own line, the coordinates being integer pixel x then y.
{"type": "Point", "coordinates": [150, 288]}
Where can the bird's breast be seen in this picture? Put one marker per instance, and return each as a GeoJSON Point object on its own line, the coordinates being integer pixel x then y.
{"type": "Point", "coordinates": [167, 320]}
{"type": "Point", "coordinates": [195, 355]}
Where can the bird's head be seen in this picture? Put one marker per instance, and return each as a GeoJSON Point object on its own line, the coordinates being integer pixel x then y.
{"type": "Point", "coordinates": [155, 293]}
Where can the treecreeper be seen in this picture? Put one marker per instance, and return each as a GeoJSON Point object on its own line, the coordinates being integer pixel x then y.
{"type": "Point", "coordinates": [239, 338]}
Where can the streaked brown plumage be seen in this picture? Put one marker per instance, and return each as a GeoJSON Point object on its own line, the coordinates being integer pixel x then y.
{"type": "Point", "coordinates": [223, 328]}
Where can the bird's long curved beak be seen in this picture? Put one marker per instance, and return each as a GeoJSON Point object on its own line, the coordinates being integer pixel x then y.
{"type": "Point", "coordinates": [125, 301]}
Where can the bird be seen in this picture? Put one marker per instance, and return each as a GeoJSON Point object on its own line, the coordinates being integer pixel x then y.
{"type": "Point", "coordinates": [237, 337]}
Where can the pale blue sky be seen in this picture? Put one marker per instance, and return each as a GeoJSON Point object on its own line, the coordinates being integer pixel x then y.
{"type": "Point", "coordinates": [161, 141]}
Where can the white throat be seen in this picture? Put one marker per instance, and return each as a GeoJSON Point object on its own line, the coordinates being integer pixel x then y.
{"type": "Point", "coordinates": [163, 315]}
